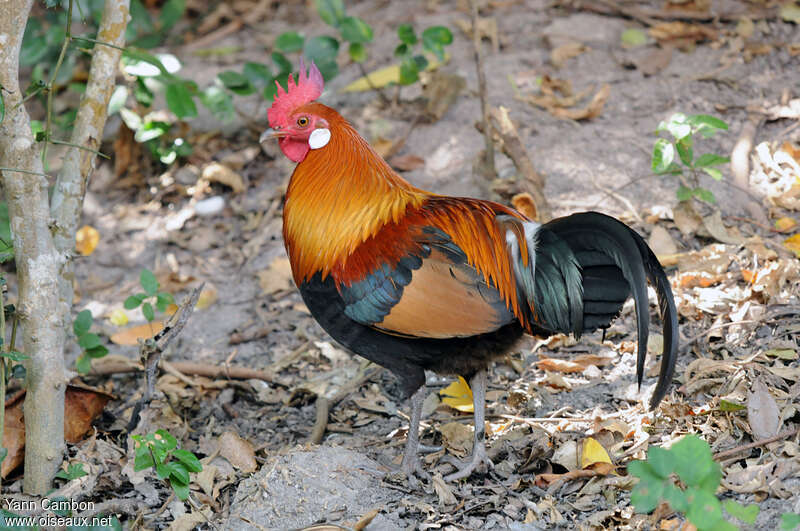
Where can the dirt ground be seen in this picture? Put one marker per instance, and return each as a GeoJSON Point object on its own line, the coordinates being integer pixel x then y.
{"type": "Point", "coordinates": [254, 318]}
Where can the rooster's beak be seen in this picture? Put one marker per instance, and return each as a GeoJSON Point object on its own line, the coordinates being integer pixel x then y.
{"type": "Point", "coordinates": [269, 134]}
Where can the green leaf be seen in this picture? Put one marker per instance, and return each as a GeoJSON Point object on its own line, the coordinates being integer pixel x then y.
{"type": "Point", "coordinates": [83, 364]}
{"type": "Point", "coordinates": [151, 131]}
{"type": "Point", "coordinates": [358, 53]}
{"type": "Point", "coordinates": [421, 62]}
{"type": "Point", "coordinates": [141, 63]}
{"type": "Point", "coordinates": [632, 38]}
{"type": "Point", "coordinates": [704, 121]}
{"type": "Point", "coordinates": [236, 83]}
{"type": "Point", "coordinates": [704, 194]}
{"type": "Point", "coordinates": [401, 50]}
{"type": "Point", "coordinates": [97, 352]}
{"type": "Point", "coordinates": [675, 497]}
{"type": "Point", "coordinates": [646, 495]}
{"type": "Point", "coordinates": [320, 49]}
{"type": "Point", "coordinates": [148, 281]}
{"type": "Point", "coordinates": [406, 34]}
{"type": "Point", "coordinates": [745, 513]}
{"type": "Point", "coordinates": [662, 461]}
{"type": "Point", "coordinates": [13, 355]}
{"type": "Point", "coordinates": [162, 470]}
{"type": "Point", "coordinates": [685, 152]}
{"type": "Point", "coordinates": [188, 459]}
{"type": "Point", "coordinates": [331, 11]}
{"type": "Point", "coordinates": [704, 508]}
{"type": "Point", "coordinates": [289, 42]}
{"type": "Point", "coordinates": [284, 65]}
{"type": "Point", "coordinates": [148, 312]}
{"type": "Point", "coordinates": [180, 100]}
{"type": "Point", "coordinates": [727, 405]}
{"type": "Point", "coordinates": [789, 521]}
{"type": "Point", "coordinates": [683, 193]}
{"type": "Point", "coordinates": [142, 460]}
{"type": "Point", "coordinates": [219, 102]}
{"type": "Point", "coordinates": [710, 159]}
{"type": "Point", "coordinates": [171, 12]}
{"type": "Point", "coordinates": [435, 38]}
{"type": "Point", "coordinates": [181, 491]}
{"type": "Point", "coordinates": [663, 155]}
{"type": "Point", "coordinates": [355, 30]}
{"type": "Point", "coordinates": [3, 454]}
{"type": "Point", "coordinates": [714, 173]}
{"type": "Point", "coordinates": [82, 323]}
{"type": "Point", "coordinates": [134, 301]}
{"type": "Point", "coordinates": [73, 471]}
{"type": "Point", "coordinates": [328, 68]}
{"type": "Point", "coordinates": [178, 472]}
{"type": "Point", "coordinates": [88, 341]}
{"type": "Point", "coordinates": [163, 300]}
{"type": "Point", "coordinates": [409, 73]}
{"type": "Point", "coordinates": [693, 461]}
{"type": "Point", "coordinates": [258, 74]}
{"type": "Point", "coordinates": [118, 99]}
{"type": "Point", "coordinates": [676, 126]}
{"type": "Point", "coordinates": [167, 440]}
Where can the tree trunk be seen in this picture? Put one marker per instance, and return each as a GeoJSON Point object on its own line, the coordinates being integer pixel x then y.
{"type": "Point", "coordinates": [37, 265]}
{"type": "Point", "coordinates": [66, 204]}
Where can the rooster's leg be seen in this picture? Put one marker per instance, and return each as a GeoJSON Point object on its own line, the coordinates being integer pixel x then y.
{"type": "Point", "coordinates": [478, 383]}
{"type": "Point", "coordinates": [411, 463]}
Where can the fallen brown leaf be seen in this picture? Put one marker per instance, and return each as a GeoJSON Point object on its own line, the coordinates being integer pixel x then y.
{"type": "Point", "coordinates": [131, 336]}
{"type": "Point", "coordinates": [238, 452]}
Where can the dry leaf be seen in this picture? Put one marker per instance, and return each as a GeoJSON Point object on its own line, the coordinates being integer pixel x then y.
{"type": "Point", "coordinates": [793, 244]}
{"type": "Point", "coordinates": [681, 33]}
{"type": "Point", "coordinates": [458, 396]}
{"type": "Point", "coordinates": [661, 241]}
{"type": "Point", "coordinates": [118, 317]}
{"type": "Point", "coordinates": [593, 452]}
{"type": "Point", "coordinates": [443, 491]}
{"type": "Point", "coordinates": [86, 239]}
{"type": "Point", "coordinates": [441, 91]}
{"type": "Point", "coordinates": [390, 74]}
{"type": "Point", "coordinates": [216, 172]}
{"type": "Point", "coordinates": [686, 219]}
{"type": "Point", "coordinates": [457, 438]}
{"type": "Point", "coordinates": [762, 412]}
{"type": "Point", "coordinates": [524, 203]}
{"type": "Point", "coordinates": [553, 364]}
{"type": "Point", "coordinates": [785, 224]}
{"type": "Point", "coordinates": [592, 110]}
{"type": "Point", "coordinates": [568, 50]}
{"type": "Point", "coordinates": [566, 455]}
{"type": "Point", "coordinates": [131, 336]}
{"type": "Point", "coordinates": [207, 297]}
{"type": "Point", "coordinates": [719, 231]}
{"type": "Point", "coordinates": [277, 277]}
{"type": "Point", "coordinates": [406, 162]}
{"type": "Point", "coordinates": [81, 406]}
{"type": "Point", "coordinates": [238, 452]}
{"type": "Point", "coordinates": [656, 60]}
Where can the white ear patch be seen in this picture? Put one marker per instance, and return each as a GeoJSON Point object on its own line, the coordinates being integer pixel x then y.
{"type": "Point", "coordinates": [319, 138]}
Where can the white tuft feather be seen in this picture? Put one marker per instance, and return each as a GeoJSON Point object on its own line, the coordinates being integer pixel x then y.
{"type": "Point", "coordinates": [319, 138]}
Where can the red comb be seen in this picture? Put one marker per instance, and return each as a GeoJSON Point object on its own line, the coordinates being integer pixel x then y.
{"type": "Point", "coordinates": [308, 88]}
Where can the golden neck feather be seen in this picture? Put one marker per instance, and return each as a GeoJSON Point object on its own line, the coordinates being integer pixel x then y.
{"type": "Point", "coordinates": [338, 197]}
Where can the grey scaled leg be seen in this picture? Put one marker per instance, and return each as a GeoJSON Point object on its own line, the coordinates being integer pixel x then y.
{"type": "Point", "coordinates": [411, 464]}
{"type": "Point", "coordinates": [478, 383]}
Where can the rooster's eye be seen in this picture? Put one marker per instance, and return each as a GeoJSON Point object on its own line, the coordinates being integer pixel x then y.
{"type": "Point", "coordinates": [302, 121]}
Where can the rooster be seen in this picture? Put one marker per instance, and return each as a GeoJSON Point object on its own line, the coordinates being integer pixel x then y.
{"type": "Point", "coordinates": [416, 281]}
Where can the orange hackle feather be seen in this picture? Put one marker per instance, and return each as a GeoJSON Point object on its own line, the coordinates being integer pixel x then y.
{"type": "Point", "coordinates": [347, 212]}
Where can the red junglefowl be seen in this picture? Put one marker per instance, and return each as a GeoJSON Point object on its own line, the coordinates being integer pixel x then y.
{"type": "Point", "coordinates": [416, 281]}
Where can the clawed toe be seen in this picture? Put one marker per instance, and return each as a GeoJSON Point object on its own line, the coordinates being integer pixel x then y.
{"type": "Point", "coordinates": [468, 466]}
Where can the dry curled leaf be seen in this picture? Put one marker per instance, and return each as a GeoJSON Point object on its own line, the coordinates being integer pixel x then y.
{"type": "Point", "coordinates": [762, 412]}
{"type": "Point", "coordinates": [277, 277]}
{"type": "Point", "coordinates": [216, 172]}
{"type": "Point", "coordinates": [131, 336]}
{"type": "Point", "coordinates": [238, 452]}
{"type": "Point", "coordinates": [86, 239]}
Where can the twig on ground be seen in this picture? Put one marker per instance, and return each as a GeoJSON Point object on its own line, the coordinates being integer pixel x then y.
{"type": "Point", "coordinates": [324, 405]}
{"type": "Point", "coordinates": [194, 369]}
{"type": "Point", "coordinates": [488, 167]}
{"type": "Point", "coordinates": [756, 444]}
{"type": "Point", "coordinates": [651, 17]}
{"type": "Point", "coordinates": [511, 144]}
{"type": "Point", "coordinates": [740, 167]}
{"type": "Point", "coordinates": [150, 351]}
{"type": "Point", "coordinates": [228, 29]}
{"type": "Point", "coordinates": [619, 197]}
